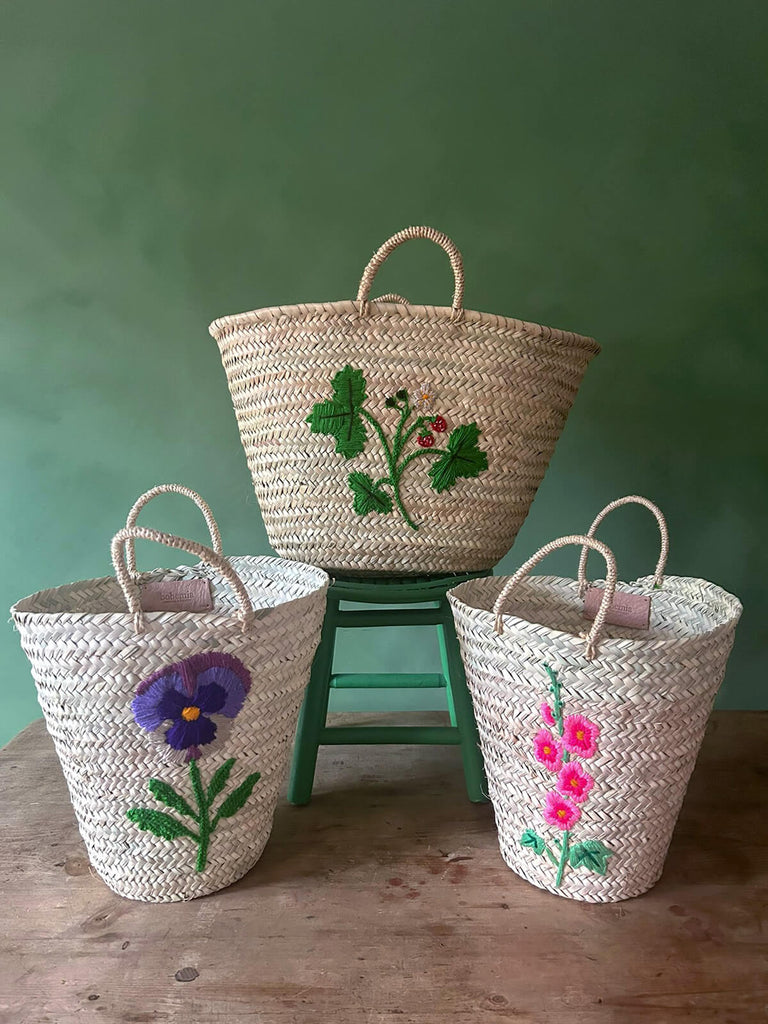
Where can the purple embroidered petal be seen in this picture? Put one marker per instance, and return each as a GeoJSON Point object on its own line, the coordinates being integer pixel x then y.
{"type": "Point", "coordinates": [191, 734]}
{"type": "Point", "coordinates": [210, 697]}
{"type": "Point", "coordinates": [230, 683]}
{"type": "Point", "coordinates": [146, 705]}
{"type": "Point", "coordinates": [171, 704]}
{"type": "Point", "coordinates": [202, 663]}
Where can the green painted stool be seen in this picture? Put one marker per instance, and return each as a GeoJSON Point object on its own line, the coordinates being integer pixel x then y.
{"type": "Point", "coordinates": [312, 730]}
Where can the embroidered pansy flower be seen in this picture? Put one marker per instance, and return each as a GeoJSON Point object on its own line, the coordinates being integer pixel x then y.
{"type": "Point", "coordinates": [547, 750]}
{"type": "Point", "coordinates": [560, 812]}
{"type": "Point", "coordinates": [191, 695]}
{"type": "Point", "coordinates": [580, 735]}
{"type": "Point", "coordinates": [547, 714]}
{"type": "Point", "coordinates": [574, 782]}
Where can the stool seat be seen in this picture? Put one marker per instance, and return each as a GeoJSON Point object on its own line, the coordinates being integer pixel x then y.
{"type": "Point", "coordinates": [429, 591]}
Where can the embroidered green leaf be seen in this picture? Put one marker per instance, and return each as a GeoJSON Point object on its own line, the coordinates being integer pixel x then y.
{"type": "Point", "coordinates": [369, 495]}
{"type": "Point", "coordinates": [340, 416]}
{"type": "Point", "coordinates": [591, 854]}
{"type": "Point", "coordinates": [219, 780]}
{"type": "Point", "coordinates": [462, 458]}
{"type": "Point", "coordinates": [168, 795]}
{"type": "Point", "coordinates": [236, 798]}
{"type": "Point", "coordinates": [159, 823]}
{"type": "Point", "coordinates": [533, 840]}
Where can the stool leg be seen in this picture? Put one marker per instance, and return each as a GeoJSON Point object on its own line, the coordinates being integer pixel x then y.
{"type": "Point", "coordinates": [474, 773]}
{"type": "Point", "coordinates": [447, 676]}
{"type": "Point", "coordinates": [313, 712]}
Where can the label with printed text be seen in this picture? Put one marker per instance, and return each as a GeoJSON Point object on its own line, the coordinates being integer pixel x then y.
{"type": "Point", "coordinates": [176, 596]}
{"type": "Point", "coordinates": [632, 610]}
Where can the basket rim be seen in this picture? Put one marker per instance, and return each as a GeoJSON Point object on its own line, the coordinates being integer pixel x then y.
{"type": "Point", "coordinates": [225, 325]}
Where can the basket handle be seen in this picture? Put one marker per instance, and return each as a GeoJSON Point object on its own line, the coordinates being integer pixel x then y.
{"type": "Point", "coordinates": [147, 496]}
{"type": "Point", "coordinates": [393, 297]}
{"type": "Point", "coordinates": [392, 243]}
{"type": "Point", "coordinates": [630, 499]}
{"type": "Point", "coordinates": [130, 586]}
{"type": "Point", "coordinates": [610, 584]}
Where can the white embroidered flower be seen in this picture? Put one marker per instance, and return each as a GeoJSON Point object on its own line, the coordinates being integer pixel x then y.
{"type": "Point", "coordinates": [424, 398]}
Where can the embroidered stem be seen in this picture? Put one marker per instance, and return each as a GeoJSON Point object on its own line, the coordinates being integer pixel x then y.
{"type": "Point", "coordinates": [557, 705]}
{"type": "Point", "coordinates": [563, 859]}
{"type": "Point", "coordinates": [394, 476]}
{"type": "Point", "coordinates": [415, 455]}
{"type": "Point", "coordinates": [204, 819]}
{"type": "Point", "coordinates": [397, 446]}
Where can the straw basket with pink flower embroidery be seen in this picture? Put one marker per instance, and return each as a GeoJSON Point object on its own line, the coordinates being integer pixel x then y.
{"type": "Point", "coordinates": [590, 730]}
{"type": "Point", "coordinates": [172, 699]}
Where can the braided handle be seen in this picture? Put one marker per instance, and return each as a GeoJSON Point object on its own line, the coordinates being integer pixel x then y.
{"type": "Point", "coordinates": [392, 243]}
{"type": "Point", "coordinates": [130, 586]}
{"type": "Point", "coordinates": [147, 496]}
{"type": "Point", "coordinates": [630, 499]}
{"type": "Point", "coordinates": [562, 542]}
{"type": "Point", "coordinates": [392, 297]}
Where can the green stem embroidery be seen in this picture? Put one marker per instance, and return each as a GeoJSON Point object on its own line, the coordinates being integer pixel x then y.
{"type": "Point", "coordinates": [167, 827]}
{"type": "Point", "coordinates": [563, 859]}
{"type": "Point", "coordinates": [344, 417]}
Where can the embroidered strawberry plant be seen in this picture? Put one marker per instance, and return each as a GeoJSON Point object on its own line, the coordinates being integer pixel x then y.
{"type": "Point", "coordinates": [344, 417]}
{"type": "Point", "coordinates": [575, 736]}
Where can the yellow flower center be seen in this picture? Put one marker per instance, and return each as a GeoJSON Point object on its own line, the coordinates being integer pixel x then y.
{"type": "Point", "coordinates": [561, 813]}
{"type": "Point", "coordinates": [575, 783]}
{"type": "Point", "coordinates": [547, 750]}
{"type": "Point", "coordinates": [579, 734]}
{"type": "Point", "coordinates": [190, 714]}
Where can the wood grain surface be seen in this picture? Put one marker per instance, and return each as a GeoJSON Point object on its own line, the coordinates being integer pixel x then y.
{"type": "Point", "coordinates": [385, 901]}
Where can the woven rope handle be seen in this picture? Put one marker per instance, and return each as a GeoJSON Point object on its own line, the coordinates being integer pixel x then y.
{"type": "Point", "coordinates": [610, 584]}
{"type": "Point", "coordinates": [392, 297]}
{"type": "Point", "coordinates": [187, 492]}
{"type": "Point", "coordinates": [130, 586]}
{"type": "Point", "coordinates": [630, 499]}
{"type": "Point", "coordinates": [392, 243]}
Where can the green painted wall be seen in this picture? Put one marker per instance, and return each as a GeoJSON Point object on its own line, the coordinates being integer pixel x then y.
{"type": "Point", "coordinates": [602, 165]}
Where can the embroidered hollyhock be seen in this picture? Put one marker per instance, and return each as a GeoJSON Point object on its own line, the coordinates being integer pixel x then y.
{"type": "Point", "coordinates": [576, 736]}
{"type": "Point", "coordinates": [548, 750]}
{"type": "Point", "coordinates": [574, 782]}
{"type": "Point", "coordinates": [346, 418]}
{"type": "Point", "coordinates": [546, 714]}
{"type": "Point", "coordinates": [560, 812]}
{"type": "Point", "coordinates": [194, 696]}
{"type": "Point", "coordinates": [580, 735]}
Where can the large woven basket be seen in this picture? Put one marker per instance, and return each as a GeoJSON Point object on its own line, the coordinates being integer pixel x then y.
{"type": "Point", "coordinates": [589, 741]}
{"type": "Point", "coordinates": [386, 437]}
{"type": "Point", "coordinates": [173, 728]}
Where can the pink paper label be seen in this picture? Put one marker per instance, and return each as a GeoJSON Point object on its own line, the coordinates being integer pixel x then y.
{"type": "Point", "coordinates": [633, 610]}
{"type": "Point", "coordinates": [176, 596]}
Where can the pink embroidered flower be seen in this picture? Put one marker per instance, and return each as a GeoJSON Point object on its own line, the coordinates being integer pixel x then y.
{"type": "Point", "coordinates": [547, 715]}
{"type": "Point", "coordinates": [580, 735]}
{"type": "Point", "coordinates": [574, 782]}
{"type": "Point", "coordinates": [560, 812]}
{"type": "Point", "coordinates": [547, 750]}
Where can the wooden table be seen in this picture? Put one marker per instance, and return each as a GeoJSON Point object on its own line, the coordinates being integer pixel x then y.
{"type": "Point", "coordinates": [386, 900]}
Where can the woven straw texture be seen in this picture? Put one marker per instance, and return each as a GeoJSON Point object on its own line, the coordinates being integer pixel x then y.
{"type": "Point", "coordinates": [649, 692]}
{"type": "Point", "coordinates": [515, 380]}
{"type": "Point", "coordinates": [88, 655]}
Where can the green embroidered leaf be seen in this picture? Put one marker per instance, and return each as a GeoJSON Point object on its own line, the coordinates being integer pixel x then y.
{"type": "Point", "coordinates": [591, 854]}
{"type": "Point", "coordinates": [168, 795]}
{"type": "Point", "coordinates": [462, 457]}
{"type": "Point", "coordinates": [159, 823]}
{"type": "Point", "coordinates": [237, 797]}
{"type": "Point", "coordinates": [533, 840]}
{"type": "Point", "coordinates": [340, 416]}
{"type": "Point", "coordinates": [369, 496]}
{"type": "Point", "coordinates": [219, 780]}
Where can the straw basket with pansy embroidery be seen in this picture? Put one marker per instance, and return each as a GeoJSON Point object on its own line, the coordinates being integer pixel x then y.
{"type": "Point", "coordinates": [172, 698]}
{"type": "Point", "coordinates": [388, 437]}
{"type": "Point", "coordinates": [591, 706]}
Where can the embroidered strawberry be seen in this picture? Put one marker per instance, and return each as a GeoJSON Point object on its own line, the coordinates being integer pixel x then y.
{"type": "Point", "coordinates": [426, 440]}
{"type": "Point", "coordinates": [439, 425]}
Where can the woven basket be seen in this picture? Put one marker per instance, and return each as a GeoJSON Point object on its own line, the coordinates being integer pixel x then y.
{"type": "Point", "coordinates": [166, 810]}
{"type": "Point", "coordinates": [589, 741]}
{"type": "Point", "coordinates": [385, 437]}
